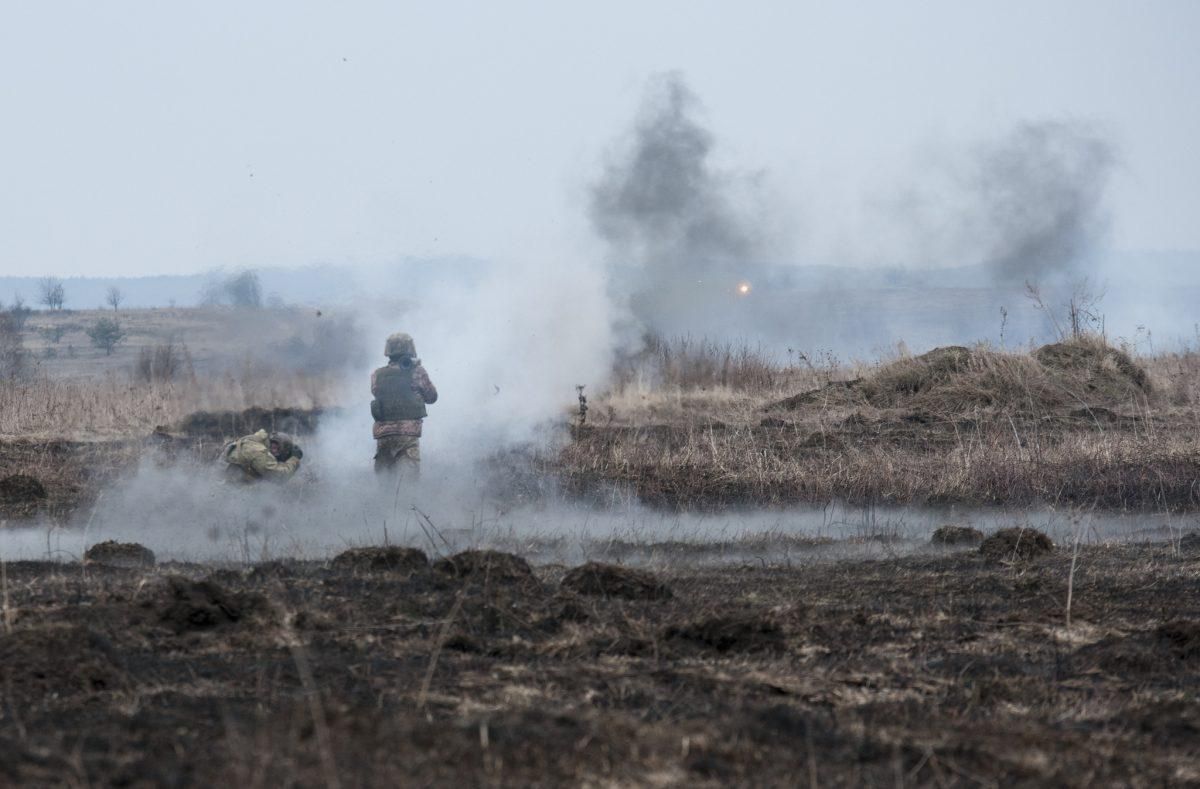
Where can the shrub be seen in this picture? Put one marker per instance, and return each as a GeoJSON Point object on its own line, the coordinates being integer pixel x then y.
{"type": "Point", "coordinates": [162, 363]}
{"type": "Point", "coordinates": [106, 333]}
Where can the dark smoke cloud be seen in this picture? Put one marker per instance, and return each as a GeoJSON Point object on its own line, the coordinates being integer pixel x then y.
{"type": "Point", "coordinates": [677, 229]}
{"type": "Point", "coordinates": [1036, 199]}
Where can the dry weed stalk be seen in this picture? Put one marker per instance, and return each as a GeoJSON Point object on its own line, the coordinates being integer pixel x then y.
{"type": "Point", "coordinates": [316, 709]}
{"type": "Point", "coordinates": [9, 614]}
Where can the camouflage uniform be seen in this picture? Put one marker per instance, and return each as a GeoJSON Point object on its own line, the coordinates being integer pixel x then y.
{"type": "Point", "coordinates": [402, 389]}
{"type": "Point", "coordinates": [250, 458]}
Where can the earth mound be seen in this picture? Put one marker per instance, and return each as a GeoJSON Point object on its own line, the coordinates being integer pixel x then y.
{"type": "Point", "coordinates": [119, 554]}
{"type": "Point", "coordinates": [1190, 543]}
{"type": "Point", "coordinates": [486, 564]}
{"type": "Point", "coordinates": [226, 424]}
{"type": "Point", "coordinates": [1016, 544]}
{"type": "Point", "coordinates": [956, 535]}
{"type": "Point", "coordinates": [1181, 637]}
{"type": "Point", "coordinates": [957, 380]}
{"type": "Point", "coordinates": [21, 489]}
{"type": "Point", "coordinates": [831, 394]}
{"type": "Point", "coordinates": [203, 605]}
{"type": "Point", "coordinates": [1104, 369]}
{"type": "Point", "coordinates": [908, 377]}
{"type": "Point", "coordinates": [21, 495]}
{"type": "Point", "coordinates": [40, 664]}
{"type": "Point", "coordinates": [381, 558]}
{"type": "Point", "coordinates": [731, 633]}
{"type": "Point", "coordinates": [612, 580]}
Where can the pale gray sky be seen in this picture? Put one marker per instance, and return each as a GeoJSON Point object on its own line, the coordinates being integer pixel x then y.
{"type": "Point", "coordinates": [154, 137]}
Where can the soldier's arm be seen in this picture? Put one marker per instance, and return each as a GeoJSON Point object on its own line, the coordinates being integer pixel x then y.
{"type": "Point", "coordinates": [423, 385]}
{"type": "Point", "coordinates": [268, 467]}
{"type": "Point", "coordinates": [373, 392]}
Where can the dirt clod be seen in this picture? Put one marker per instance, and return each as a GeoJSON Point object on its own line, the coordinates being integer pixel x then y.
{"type": "Point", "coordinates": [203, 605]}
{"type": "Point", "coordinates": [1181, 637]}
{"type": "Point", "coordinates": [956, 535]}
{"type": "Point", "coordinates": [731, 633]}
{"type": "Point", "coordinates": [119, 554]}
{"type": "Point", "coordinates": [494, 566]}
{"type": "Point", "coordinates": [612, 580]}
{"type": "Point", "coordinates": [382, 558]}
{"type": "Point", "coordinates": [1016, 544]}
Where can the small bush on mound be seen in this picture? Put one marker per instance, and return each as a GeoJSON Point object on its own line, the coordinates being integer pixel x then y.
{"type": "Point", "coordinates": [111, 553]}
{"type": "Point", "coordinates": [202, 605]}
{"type": "Point", "coordinates": [1016, 543]}
{"type": "Point", "coordinates": [956, 535]}
{"type": "Point", "coordinates": [490, 565]}
{"type": "Point", "coordinates": [612, 580]}
{"type": "Point", "coordinates": [382, 558]}
{"type": "Point", "coordinates": [736, 633]}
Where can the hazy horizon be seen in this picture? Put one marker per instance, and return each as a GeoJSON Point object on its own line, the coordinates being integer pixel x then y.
{"type": "Point", "coordinates": [145, 139]}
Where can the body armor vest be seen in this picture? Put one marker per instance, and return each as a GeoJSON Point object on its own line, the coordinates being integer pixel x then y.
{"type": "Point", "coordinates": [395, 399]}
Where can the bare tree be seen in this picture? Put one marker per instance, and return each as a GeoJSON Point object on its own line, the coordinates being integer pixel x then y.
{"type": "Point", "coordinates": [51, 292]}
{"type": "Point", "coordinates": [113, 297]}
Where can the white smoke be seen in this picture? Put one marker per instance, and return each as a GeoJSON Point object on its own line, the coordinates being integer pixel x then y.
{"type": "Point", "coordinates": [505, 350]}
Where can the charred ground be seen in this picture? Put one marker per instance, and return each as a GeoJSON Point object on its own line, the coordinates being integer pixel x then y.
{"type": "Point", "coordinates": [952, 669]}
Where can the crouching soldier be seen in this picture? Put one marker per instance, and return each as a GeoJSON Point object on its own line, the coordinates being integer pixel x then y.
{"type": "Point", "coordinates": [273, 456]}
{"type": "Point", "coordinates": [402, 389]}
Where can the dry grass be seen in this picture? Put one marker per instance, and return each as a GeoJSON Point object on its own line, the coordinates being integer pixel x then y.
{"type": "Point", "coordinates": [1078, 424]}
{"type": "Point", "coordinates": [115, 406]}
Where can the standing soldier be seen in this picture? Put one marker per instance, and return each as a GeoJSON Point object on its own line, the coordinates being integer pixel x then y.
{"type": "Point", "coordinates": [401, 390]}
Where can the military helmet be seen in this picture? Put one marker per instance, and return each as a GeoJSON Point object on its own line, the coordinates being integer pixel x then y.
{"type": "Point", "coordinates": [400, 344]}
{"type": "Point", "coordinates": [286, 443]}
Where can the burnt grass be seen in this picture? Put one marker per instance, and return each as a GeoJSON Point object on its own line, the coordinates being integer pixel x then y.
{"type": "Point", "coordinates": [944, 670]}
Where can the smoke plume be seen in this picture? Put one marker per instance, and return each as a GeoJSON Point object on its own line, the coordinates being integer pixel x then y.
{"type": "Point", "coordinates": [1027, 205]}
{"type": "Point", "coordinates": [1040, 193]}
{"type": "Point", "coordinates": [679, 232]}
